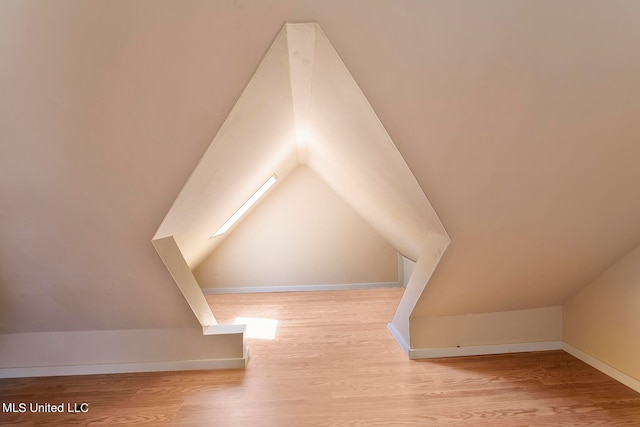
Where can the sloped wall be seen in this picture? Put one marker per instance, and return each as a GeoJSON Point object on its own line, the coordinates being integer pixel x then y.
{"type": "Point", "coordinates": [301, 234]}
{"type": "Point", "coordinates": [603, 319]}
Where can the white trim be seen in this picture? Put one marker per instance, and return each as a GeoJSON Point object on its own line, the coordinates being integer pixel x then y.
{"type": "Point", "coordinates": [477, 350]}
{"type": "Point", "coordinates": [301, 288]}
{"type": "Point", "coordinates": [399, 338]}
{"type": "Point", "coordinates": [223, 329]}
{"type": "Point", "coordinates": [401, 270]}
{"type": "Point", "coordinates": [603, 367]}
{"type": "Point", "coordinates": [121, 368]}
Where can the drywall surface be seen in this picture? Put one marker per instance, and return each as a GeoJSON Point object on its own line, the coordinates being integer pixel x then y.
{"type": "Point", "coordinates": [521, 326]}
{"type": "Point", "coordinates": [531, 157]}
{"type": "Point", "coordinates": [302, 233]}
{"type": "Point", "coordinates": [603, 319]}
{"type": "Point", "coordinates": [518, 121]}
{"type": "Point", "coordinates": [352, 152]}
{"type": "Point", "coordinates": [179, 270]}
{"type": "Point", "coordinates": [407, 266]}
{"type": "Point", "coordinates": [255, 142]}
{"type": "Point", "coordinates": [428, 260]}
{"type": "Point", "coordinates": [49, 353]}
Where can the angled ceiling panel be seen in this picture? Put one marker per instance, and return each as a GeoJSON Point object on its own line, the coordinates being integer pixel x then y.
{"type": "Point", "coordinates": [303, 107]}
{"type": "Point", "coordinates": [255, 141]}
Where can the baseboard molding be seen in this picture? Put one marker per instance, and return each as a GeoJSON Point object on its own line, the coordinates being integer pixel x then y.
{"type": "Point", "coordinates": [122, 368]}
{"type": "Point", "coordinates": [602, 367]}
{"type": "Point", "coordinates": [301, 288]}
{"type": "Point", "coordinates": [478, 350]}
{"type": "Point", "coordinates": [404, 345]}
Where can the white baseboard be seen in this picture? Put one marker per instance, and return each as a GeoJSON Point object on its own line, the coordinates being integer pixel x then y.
{"type": "Point", "coordinates": [477, 350]}
{"type": "Point", "coordinates": [301, 288]}
{"type": "Point", "coordinates": [121, 368]}
{"type": "Point", "coordinates": [602, 367]}
{"type": "Point", "coordinates": [404, 345]}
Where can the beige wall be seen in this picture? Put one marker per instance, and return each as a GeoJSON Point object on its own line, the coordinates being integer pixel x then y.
{"type": "Point", "coordinates": [187, 283]}
{"type": "Point", "coordinates": [603, 319]}
{"type": "Point", "coordinates": [533, 173]}
{"type": "Point", "coordinates": [301, 234]}
{"type": "Point", "coordinates": [130, 350]}
{"type": "Point", "coordinates": [509, 327]}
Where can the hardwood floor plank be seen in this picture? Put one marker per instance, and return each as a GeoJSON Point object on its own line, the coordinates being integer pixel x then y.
{"type": "Point", "coordinates": [334, 363]}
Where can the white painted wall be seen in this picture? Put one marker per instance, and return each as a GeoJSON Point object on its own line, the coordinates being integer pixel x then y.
{"type": "Point", "coordinates": [115, 351]}
{"type": "Point", "coordinates": [603, 319]}
{"type": "Point", "coordinates": [524, 140]}
{"type": "Point", "coordinates": [428, 260]}
{"type": "Point", "coordinates": [302, 233]}
{"type": "Point", "coordinates": [256, 141]}
{"type": "Point", "coordinates": [407, 269]}
{"type": "Point", "coordinates": [482, 329]}
{"type": "Point", "coordinates": [184, 278]}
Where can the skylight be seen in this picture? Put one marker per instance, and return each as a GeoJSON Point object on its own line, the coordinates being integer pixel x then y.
{"type": "Point", "coordinates": [245, 207]}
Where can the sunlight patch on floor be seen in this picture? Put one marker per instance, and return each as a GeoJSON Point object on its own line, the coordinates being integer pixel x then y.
{"type": "Point", "coordinates": [264, 329]}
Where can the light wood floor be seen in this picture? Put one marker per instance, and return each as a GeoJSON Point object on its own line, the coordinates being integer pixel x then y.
{"type": "Point", "coordinates": [333, 363]}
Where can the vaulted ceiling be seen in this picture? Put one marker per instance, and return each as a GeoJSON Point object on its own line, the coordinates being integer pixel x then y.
{"type": "Point", "coordinates": [517, 119]}
{"type": "Point", "coordinates": [302, 107]}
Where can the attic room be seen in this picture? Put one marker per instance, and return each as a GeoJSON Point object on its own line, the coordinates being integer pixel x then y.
{"type": "Point", "coordinates": [478, 159]}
